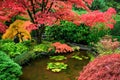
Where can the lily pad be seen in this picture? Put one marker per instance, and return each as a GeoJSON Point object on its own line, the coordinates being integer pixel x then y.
{"type": "Point", "coordinates": [56, 66]}
{"type": "Point", "coordinates": [58, 58]}
{"type": "Point", "coordinates": [77, 57]}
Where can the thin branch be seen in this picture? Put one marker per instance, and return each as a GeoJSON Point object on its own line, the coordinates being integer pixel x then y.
{"type": "Point", "coordinates": [50, 7]}
{"type": "Point", "coordinates": [30, 14]}
{"type": "Point", "coordinates": [33, 7]}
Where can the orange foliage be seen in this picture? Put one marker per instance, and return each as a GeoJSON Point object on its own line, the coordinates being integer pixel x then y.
{"type": "Point", "coordinates": [62, 48]}
{"type": "Point", "coordinates": [18, 28]}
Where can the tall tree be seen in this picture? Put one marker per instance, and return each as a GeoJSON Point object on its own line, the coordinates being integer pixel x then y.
{"type": "Point", "coordinates": [42, 12]}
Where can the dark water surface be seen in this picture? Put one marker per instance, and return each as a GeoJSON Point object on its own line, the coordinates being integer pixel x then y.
{"type": "Point", "coordinates": [36, 70]}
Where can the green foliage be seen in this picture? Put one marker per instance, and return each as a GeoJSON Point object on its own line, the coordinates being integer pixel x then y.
{"type": "Point", "coordinates": [27, 43]}
{"type": "Point", "coordinates": [98, 4]}
{"type": "Point", "coordinates": [58, 58]}
{"type": "Point", "coordinates": [75, 48]}
{"type": "Point", "coordinates": [96, 34]}
{"type": "Point", "coordinates": [25, 57]}
{"type": "Point", "coordinates": [113, 3]}
{"type": "Point", "coordinates": [69, 32]}
{"type": "Point", "coordinates": [13, 49]}
{"type": "Point", "coordinates": [56, 66]}
{"type": "Point", "coordinates": [78, 57]}
{"type": "Point", "coordinates": [9, 70]}
{"type": "Point", "coordinates": [116, 30]}
{"type": "Point", "coordinates": [44, 47]}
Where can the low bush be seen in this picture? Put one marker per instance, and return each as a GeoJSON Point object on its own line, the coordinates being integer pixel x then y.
{"type": "Point", "coordinates": [69, 32]}
{"type": "Point", "coordinates": [12, 49]}
{"type": "Point", "coordinates": [62, 48]}
{"type": "Point", "coordinates": [102, 68]}
{"type": "Point", "coordinates": [107, 45]}
{"type": "Point", "coordinates": [9, 70]}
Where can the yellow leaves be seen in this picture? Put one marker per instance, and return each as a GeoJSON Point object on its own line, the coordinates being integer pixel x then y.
{"type": "Point", "coordinates": [17, 28]}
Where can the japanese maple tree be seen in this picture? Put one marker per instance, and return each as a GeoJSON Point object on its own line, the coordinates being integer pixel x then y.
{"type": "Point", "coordinates": [41, 12]}
{"type": "Point", "coordinates": [102, 68]}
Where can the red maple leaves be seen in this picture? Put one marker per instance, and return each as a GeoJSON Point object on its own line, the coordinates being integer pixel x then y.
{"type": "Point", "coordinates": [102, 68]}
{"type": "Point", "coordinates": [46, 12]}
{"type": "Point", "coordinates": [62, 48]}
{"type": "Point", "coordinates": [96, 17]}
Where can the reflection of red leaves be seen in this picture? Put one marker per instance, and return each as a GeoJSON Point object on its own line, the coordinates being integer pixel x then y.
{"type": "Point", "coordinates": [102, 68]}
{"type": "Point", "coordinates": [62, 48]}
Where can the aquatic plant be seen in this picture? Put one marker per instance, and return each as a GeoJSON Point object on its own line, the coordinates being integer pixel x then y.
{"type": "Point", "coordinates": [9, 70]}
{"type": "Point", "coordinates": [79, 57]}
{"type": "Point", "coordinates": [104, 67]}
{"type": "Point", "coordinates": [58, 58]}
{"type": "Point", "coordinates": [56, 66]}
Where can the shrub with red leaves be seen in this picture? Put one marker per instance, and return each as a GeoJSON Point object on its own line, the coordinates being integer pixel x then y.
{"type": "Point", "coordinates": [62, 48]}
{"type": "Point", "coordinates": [102, 68]}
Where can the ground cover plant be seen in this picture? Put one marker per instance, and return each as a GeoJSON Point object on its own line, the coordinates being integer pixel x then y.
{"type": "Point", "coordinates": [12, 49]}
{"type": "Point", "coordinates": [56, 66]}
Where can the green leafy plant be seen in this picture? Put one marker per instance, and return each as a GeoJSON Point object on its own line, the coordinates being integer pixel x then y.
{"type": "Point", "coordinates": [44, 47]}
{"type": "Point", "coordinates": [69, 32]}
{"type": "Point", "coordinates": [9, 70]}
{"type": "Point", "coordinates": [76, 48]}
{"type": "Point", "coordinates": [96, 33]}
{"type": "Point", "coordinates": [58, 58]}
{"type": "Point", "coordinates": [56, 66]}
{"type": "Point", "coordinates": [13, 49]}
{"type": "Point", "coordinates": [79, 57]}
{"type": "Point", "coordinates": [98, 4]}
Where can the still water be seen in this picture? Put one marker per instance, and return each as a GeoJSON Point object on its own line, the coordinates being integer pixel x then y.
{"type": "Point", "coordinates": [36, 70]}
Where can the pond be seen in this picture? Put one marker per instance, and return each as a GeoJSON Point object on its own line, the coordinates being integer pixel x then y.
{"type": "Point", "coordinates": [36, 70]}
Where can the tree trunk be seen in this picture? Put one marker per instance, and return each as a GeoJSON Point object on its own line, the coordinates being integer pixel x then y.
{"type": "Point", "coordinates": [39, 33]}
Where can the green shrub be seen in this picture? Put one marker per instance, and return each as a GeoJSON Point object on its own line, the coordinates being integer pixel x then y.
{"type": "Point", "coordinates": [44, 47]}
{"type": "Point", "coordinates": [116, 30]}
{"type": "Point", "coordinates": [25, 57]}
{"type": "Point", "coordinates": [113, 3]}
{"type": "Point", "coordinates": [9, 70]}
{"type": "Point", "coordinates": [96, 34]}
{"type": "Point", "coordinates": [98, 4]}
{"type": "Point", "coordinates": [13, 49]}
{"type": "Point", "coordinates": [69, 32]}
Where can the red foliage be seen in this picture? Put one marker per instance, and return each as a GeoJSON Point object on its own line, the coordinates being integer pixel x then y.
{"type": "Point", "coordinates": [62, 48]}
{"type": "Point", "coordinates": [109, 44]}
{"type": "Point", "coordinates": [102, 68]}
{"type": "Point", "coordinates": [96, 17]}
{"type": "Point", "coordinates": [2, 28]}
{"type": "Point", "coordinates": [46, 12]}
